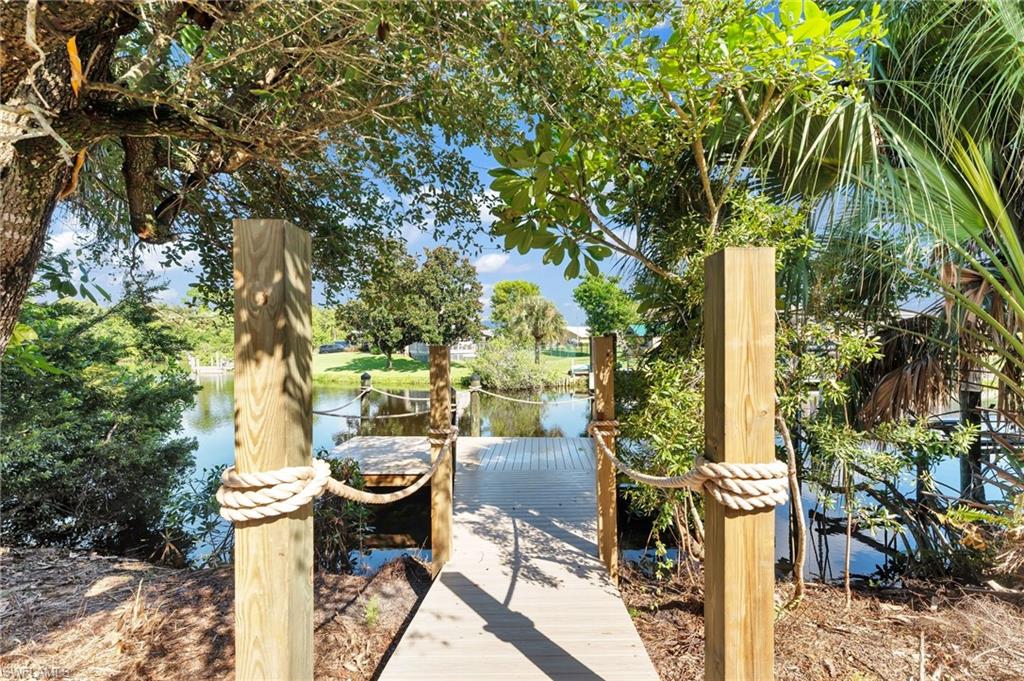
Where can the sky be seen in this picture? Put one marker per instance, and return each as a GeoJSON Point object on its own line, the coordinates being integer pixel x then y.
{"type": "Point", "coordinates": [492, 263]}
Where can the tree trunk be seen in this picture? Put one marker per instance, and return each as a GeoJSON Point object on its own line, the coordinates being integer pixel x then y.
{"type": "Point", "coordinates": [33, 169]}
{"type": "Point", "coordinates": [972, 485]}
{"type": "Point", "coordinates": [390, 363]}
{"type": "Point", "coordinates": [29, 185]}
{"type": "Point", "coordinates": [536, 352]}
{"type": "Point", "coordinates": [796, 508]}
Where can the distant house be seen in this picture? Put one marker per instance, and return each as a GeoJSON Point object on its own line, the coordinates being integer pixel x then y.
{"type": "Point", "coordinates": [576, 335]}
{"type": "Point", "coordinates": [460, 351]}
{"type": "Point", "coordinates": [644, 340]}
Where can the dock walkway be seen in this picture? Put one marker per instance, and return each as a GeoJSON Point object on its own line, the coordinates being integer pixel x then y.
{"type": "Point", "coordinates": [524, 596]}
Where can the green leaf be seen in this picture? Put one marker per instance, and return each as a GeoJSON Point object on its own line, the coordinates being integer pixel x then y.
{"type": "Point", "coordinates": [592, 266]}
{"type": "Point", "coordinates": [544, 136]}
{"type": "Point", "coordinates": [191, 37]}
{"type": "Point", "coordinates": [540, 187]}
{"type": "Point", "coordinates": [573, 270]}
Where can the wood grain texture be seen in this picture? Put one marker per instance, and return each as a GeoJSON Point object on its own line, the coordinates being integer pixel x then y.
{"type": "Point", "coordinates": [273, 429]}
{"type": "Point", "coordinates": [524, 596]}
{"type": "Point", "coordinates": [739, 347]}
{"type": "Point", "coordinates": [602, 350]}
{"type": "Point", "coordinates": [441, 482]}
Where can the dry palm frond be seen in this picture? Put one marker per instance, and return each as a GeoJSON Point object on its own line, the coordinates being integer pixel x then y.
{"type": "Point", "coordinates": [913, 374]}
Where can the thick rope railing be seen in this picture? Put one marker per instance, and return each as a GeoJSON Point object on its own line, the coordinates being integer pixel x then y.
{"type": "Point", "coordinates": [398, 397]}
{"type": "Point", "coordinates": [571, 400]}
{"type": "Point", "coordinates": [333, 411]}
{"type": "Point", "coordinates": [739, 486]}
{"type": "Point", "coordinates": [252, 496]}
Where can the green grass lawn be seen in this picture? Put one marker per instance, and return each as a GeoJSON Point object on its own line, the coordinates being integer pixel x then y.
{"type": "Point", "coordinates": [345, 368]}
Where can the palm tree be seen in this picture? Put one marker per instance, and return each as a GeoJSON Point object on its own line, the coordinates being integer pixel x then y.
{"type": "Point", "coordinates": [539, 319]}
{"type": "Point", "coordinates": [936, 150]}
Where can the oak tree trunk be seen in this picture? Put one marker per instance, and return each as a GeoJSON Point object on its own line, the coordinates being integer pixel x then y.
{"type": "Point", "coordinates": [34, 166]}
{"type": "Point", "coordinates": [29, 185]}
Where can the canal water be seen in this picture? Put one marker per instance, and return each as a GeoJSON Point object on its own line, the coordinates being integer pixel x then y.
{"type": "Point", "coordinates": [405, 527]}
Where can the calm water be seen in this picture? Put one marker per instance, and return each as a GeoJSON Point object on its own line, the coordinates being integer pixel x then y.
{"type": "Point", "coordinates": [405, 527]}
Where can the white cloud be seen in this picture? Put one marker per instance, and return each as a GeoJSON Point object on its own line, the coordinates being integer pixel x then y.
{"type": "Point", "coordinates": [169, 295]}
{"type": "Point", "coordinates": [62, 241]}
{"type": "Point", "coordinates": [64, 232]}
{"type": "Point", "coordinates": [486, 201]}
{"type": "Point", "coordinates": [490, 262]}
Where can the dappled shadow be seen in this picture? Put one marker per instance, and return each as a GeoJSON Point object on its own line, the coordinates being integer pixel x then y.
{"type": "Point", "coordinates": [377, 363]}
{"type": "Point", "coordinates": [513, 627]}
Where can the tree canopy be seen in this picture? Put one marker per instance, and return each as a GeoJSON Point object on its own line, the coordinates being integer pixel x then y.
{"type": "Point", "coordinates": [505, 298]}
{"type": "Point", "coordinates": [538, 318]}
{"type": "Point", "coordinates": [159, 122]}
{"type": "Point", "coordinates": [436, 302]}
{"type": "Point", "coordinates": [608, 308]}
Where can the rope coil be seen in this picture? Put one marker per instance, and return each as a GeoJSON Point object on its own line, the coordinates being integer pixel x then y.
{"type": "Point", "coordinates": [739, 486]}
{"type": "Point", "coordinates": [266, 494]}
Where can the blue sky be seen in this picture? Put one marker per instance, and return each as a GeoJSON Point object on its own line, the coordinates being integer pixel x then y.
{"type": "Point", "coordinates": [493, 263]}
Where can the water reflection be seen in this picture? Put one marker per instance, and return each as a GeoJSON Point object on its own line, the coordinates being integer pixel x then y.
{"type": "Point", "coordinates": [406, 525]}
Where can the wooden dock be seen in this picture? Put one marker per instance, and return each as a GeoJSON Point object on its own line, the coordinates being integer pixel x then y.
{"type": "Point", "coordinates": [523, 596]}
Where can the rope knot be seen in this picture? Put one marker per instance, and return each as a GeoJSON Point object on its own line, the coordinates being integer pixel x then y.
{"type": "Point", "coordinates": [251, 496]}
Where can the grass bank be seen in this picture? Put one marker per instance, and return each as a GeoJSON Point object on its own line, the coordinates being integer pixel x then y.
{"type": "Point", "coordinates": [345, 368]}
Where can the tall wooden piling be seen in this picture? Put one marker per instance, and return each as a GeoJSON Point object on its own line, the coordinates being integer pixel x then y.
{"type": "Point", "coordinates": [739, 406]}
{"type": "Point", "coordinates": [441, 482]}
{"type": "Point", "coordinates": [273, 429]}
{"type": "Point", "coordinates": [602, 363]}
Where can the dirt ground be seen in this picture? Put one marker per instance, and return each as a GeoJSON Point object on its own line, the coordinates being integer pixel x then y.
{"type": "Point", "coordinates": [963, 636]}
{"type": "Point", "coordinates": [82, 616]}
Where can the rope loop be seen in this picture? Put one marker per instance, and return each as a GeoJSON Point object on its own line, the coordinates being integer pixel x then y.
{"type": "Point", "coordinates": [739, 486]}
{"type": "Point", "coordinates": [267, 494]}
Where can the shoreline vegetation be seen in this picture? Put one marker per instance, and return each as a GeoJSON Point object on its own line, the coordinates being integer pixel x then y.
{"type": "Point", "coordinates": [346, 369]}
{"type": "Point", "coordinates": [106, 617]}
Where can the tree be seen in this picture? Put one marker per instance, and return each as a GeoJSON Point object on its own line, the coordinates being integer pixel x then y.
{"type": "Point", "coordinates": [614, 99]}
{"type": "Point", "coordinates": [539, 319]}
{"type": "Point", "coordinates": [451, 292]}
{"type": "Point", "coordinates": [158, 122]}
{"type": "Point", "coordinates": [436, 302]}
{"type": "Point", "coordinates": [608, 308]}
{"type": "Point", "coordinates": [505, 299]}
{"type": "Point", "coordinates": [90, 456]}
{"type": "Point", "coordinates": [389, 308]}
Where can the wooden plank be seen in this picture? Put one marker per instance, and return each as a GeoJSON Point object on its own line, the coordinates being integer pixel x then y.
{"type": "Point", "coordinates": [387, 455]}
{"type": "Point", "coordinates": [273, 429]}
{"type": "Point", "coordinates": [603, 361]}
{"type": "Point", "coordinates": [441, 482]}
{"type": "Point", "coordinates": [524, 595]}
{"type": "Point", "coordinates": [739, 328]}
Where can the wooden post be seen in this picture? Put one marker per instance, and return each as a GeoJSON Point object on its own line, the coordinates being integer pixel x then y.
{"type": "Point", "coordinates": [474, 405]}
{"type": "Point", "coordinates": [273, 429]}
{"type": "Point", "coordinates": [441, 482]}
{"type": "Point", "coordinates": [365, 383]}
{"type": "Point", "coordinates": [602, 362]}
{"type": "Point", "coordinates": [739, 408]}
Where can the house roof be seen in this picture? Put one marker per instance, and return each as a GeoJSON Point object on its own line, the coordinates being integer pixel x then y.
{"type": "Point", "coordinates": [578, 331]}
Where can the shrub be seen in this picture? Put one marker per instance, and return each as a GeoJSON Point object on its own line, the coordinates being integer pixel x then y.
{"type": "Point", "coordinates": [504, 365]}
{"type": "Point", "coordinates": [89, 457]}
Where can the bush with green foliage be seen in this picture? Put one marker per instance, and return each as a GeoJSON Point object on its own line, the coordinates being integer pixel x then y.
{"type": "Point", "coordinates": [504, 365]}
{"type": "Point", "coordinates": [89, 453]}
{"type": "Point", "coordinates": [339, 525]}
